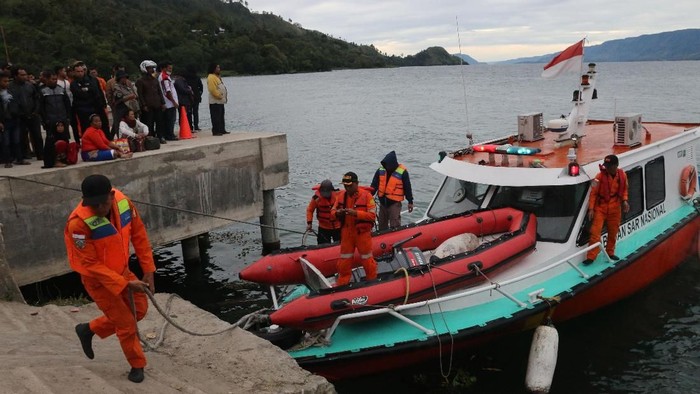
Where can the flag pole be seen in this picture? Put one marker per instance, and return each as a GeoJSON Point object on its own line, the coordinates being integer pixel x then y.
{"type": "Point", "coordinates": [580, 74]}
{"type": "Point", "coordinates": [583, 53]}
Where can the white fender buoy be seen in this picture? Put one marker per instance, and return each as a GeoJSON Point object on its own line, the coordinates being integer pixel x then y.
{"type": "Point", "coordinates": [542, 360]}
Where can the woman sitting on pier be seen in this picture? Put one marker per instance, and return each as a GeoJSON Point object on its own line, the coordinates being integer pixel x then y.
{"type": "Point", "coordinates": [96, 146]}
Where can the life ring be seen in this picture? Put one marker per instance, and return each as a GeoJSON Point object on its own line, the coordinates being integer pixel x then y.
{"type": "Point", "coordinates": [689, 182]}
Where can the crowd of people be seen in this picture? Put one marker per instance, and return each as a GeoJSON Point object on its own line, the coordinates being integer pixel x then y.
{"type": "Point", "coordinates": [77, 99]}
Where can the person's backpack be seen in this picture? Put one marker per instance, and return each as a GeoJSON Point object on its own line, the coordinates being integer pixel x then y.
{"type": "Point", "coordinates": [72, 154]}
{"type": "Point", "coordinates": [137, 144]}
{"type": "Point", "coordinates": [152, 143]}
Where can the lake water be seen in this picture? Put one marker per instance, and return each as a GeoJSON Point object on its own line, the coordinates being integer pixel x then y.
{"type": "Point", "coordinates": [348, 120]}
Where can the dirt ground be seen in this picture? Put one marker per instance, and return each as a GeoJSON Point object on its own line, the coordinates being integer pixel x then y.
{"type": "Point", "coordinates": [41, 354]}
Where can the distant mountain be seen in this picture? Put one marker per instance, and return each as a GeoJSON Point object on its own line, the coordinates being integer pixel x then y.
{"type": "Point", "coordinates": [672, 45]}
{"type": "Point", "coordinates": [467, 59]}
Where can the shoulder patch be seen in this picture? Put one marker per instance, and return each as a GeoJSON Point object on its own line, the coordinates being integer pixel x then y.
{"type": "Point", "coordinates": [78, 240]}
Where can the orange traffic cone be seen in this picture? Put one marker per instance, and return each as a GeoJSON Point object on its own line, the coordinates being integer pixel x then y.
{"type": "Point", "coordinates": [185, 131]}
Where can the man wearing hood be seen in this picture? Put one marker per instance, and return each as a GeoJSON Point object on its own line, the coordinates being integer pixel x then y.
{"type": "Point", "coordinates": [392, 184]}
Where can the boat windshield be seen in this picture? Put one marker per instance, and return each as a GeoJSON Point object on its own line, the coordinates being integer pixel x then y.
{"type": "Point", "coordinates": [556, 207]}
{"type": "Point", "coordinates": [457, 196]}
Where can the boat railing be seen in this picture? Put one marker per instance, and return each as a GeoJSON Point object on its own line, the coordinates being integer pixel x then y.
{"type": "Point", "coordinates": [497, 286]}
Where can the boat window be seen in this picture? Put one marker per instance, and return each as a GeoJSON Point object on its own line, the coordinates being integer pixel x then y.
{"type": "Point", "coordinates": [655, 179]}
{"type": "Point", "coordinates": [635, 193]}
{"type": "Point", "coordinates": [556, 207]}
{"type": "Point", "coordinates": [457, 196]}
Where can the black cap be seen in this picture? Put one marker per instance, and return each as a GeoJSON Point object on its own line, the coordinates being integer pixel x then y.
{"type": "Point", "coordinates": [610, 160]}
{"type": "Point", "coordinates": [349, 178]}
{"type": "Point", "coordinates": [121, 74]}
{"type": "Point", "coordinates": [96, 189]}
{"type": "Point", "coordinates": [326, 188]}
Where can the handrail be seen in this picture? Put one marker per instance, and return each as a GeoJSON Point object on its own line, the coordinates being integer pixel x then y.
{"type": "Point", "coordinates": [395, 311]}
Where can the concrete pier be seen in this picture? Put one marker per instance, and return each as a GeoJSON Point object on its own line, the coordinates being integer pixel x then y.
{"type": "Point", "coordinates": [186, 188]}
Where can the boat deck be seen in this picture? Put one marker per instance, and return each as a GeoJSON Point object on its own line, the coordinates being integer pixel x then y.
{"type": "Point", "coordinates": [597, 143]}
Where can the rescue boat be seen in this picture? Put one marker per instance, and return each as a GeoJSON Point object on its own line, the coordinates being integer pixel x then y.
{"type": "Point", "coordinates": [492, 238]}
{"type": "Point", "coordinates": [548, 175]}
{"type": "Point", "coordinates": [283, 267]}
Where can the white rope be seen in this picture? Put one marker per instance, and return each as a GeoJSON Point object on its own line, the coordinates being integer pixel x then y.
{"type": "Point", "coordinates": [444, 374]}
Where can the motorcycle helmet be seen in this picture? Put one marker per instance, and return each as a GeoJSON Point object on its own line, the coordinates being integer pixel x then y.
{"type": "Point", "coordinates": [145, 64]}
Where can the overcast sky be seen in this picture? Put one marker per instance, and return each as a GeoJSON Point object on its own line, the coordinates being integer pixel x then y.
{"type": "Point", "coordinates": [489, 30]}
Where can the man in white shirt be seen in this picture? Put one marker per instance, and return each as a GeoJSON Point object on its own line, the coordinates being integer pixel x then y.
{"type": "Point", "coordinates": [171, 103]}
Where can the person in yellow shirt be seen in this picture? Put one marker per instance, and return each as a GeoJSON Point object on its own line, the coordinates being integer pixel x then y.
{"type": "Point", "coordinates": [218, 97]}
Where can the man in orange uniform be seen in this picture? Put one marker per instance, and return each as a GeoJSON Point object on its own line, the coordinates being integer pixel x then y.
{"type": "Point", "coordinates": [355, 209]}
{"type": "Point", "coordinates": [97, 238]}
{"type": "Point", "coordinates": [606, 203]}
{"type": "Point", "coordinates": [322, 202]}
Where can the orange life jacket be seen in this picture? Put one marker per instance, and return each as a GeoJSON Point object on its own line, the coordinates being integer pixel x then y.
{"type": "Point", "coordinates": [393, 188]}
{"type": "Point", "coordinates": [361, 204]}
{"type": "Point", "coordinates": [323, 211]}
{"type": "Point", "coordinates": [604, 188]}
{"type": "Point", "coordinates": [111, 244]}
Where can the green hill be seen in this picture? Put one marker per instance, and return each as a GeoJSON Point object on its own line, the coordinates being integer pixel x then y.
{"type": "Point", "coordinates": [44, 33]}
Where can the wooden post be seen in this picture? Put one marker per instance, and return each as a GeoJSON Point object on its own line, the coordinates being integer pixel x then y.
{"type": "Point", "coordinates": [270, 233]}
{"type": "Point", "coordinates": [9, 291]}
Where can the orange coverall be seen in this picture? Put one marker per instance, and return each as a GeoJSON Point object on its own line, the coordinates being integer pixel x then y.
{"type": "Point", "coordinates": [98, 249]}
{"type": "Point", "coordinates": [606, 210]}
{"type": "Point", "coordinates": [356, 232]}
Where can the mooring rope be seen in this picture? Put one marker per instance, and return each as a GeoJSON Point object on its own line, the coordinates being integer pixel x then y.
{"type": "Point", "coordinates": [444, 374]}
{"type": "Point", "coordinates": [408, 283]}
{"type": "Point", "coordinates": [151, 204]}
{"type": "Point", "coordinates": [244, 322]}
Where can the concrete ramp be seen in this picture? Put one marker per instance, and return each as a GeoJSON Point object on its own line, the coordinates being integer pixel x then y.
{"type": "Point", "coordinates": [42, 354]}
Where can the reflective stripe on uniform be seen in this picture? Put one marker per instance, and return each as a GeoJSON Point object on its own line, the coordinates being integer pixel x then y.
{"type": "Point", "coordinates": [346, 255]}
{"type": "Point", "coordinates": [100, 227]}
{"type": "Point", "coordinates": [124, 212]}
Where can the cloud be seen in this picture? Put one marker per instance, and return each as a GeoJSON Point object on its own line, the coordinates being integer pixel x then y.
{"type": "Point", "coordinates": [488, 30]}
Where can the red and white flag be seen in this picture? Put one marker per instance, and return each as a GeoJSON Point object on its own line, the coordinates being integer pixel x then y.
{"type": "Point", "coordinates": [571, 59]}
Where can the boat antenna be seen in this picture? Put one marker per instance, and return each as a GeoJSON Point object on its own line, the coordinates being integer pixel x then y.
{"type": "Point", "coordinates": [464, 84]}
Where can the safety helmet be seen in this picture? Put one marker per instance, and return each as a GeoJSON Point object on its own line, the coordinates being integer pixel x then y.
{"type": "Point", "coordinates": [145, 64]}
